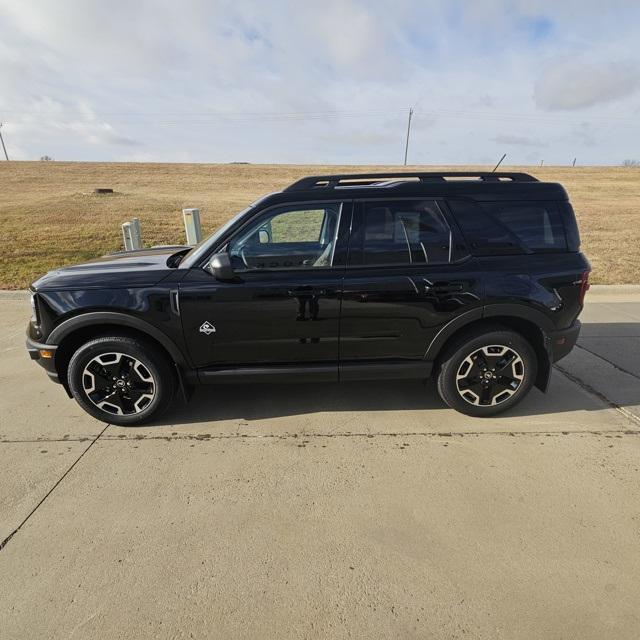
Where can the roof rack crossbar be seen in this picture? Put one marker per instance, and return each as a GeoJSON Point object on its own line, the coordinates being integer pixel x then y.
{"type": "Point", "coordinates": [369, 179]}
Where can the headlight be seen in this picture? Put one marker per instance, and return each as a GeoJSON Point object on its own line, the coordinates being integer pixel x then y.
{"type": "Point", "coordinates": [34, 309]}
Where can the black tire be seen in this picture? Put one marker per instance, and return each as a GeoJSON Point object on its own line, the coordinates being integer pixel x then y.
{"type": "Point", "coordinates": [145, 380]}
{"type": "Point", "coordinates": [471, 371]}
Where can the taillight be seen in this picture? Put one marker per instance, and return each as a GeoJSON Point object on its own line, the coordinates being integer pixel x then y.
{"type": "Point", "coordinates": [584, 286]}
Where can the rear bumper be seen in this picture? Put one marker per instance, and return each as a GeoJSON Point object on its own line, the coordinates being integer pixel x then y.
{"type": "Point", "coordinates": [561, 342]}
{"type": "Point", "coordinates": [48, 364]}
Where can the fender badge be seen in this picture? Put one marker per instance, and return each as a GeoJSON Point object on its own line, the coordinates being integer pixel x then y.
{"type": "Point", "coordinates": [207, 328]}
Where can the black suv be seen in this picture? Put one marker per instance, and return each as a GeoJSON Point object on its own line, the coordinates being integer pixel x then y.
{"type": "Point", "coordinates": [476, 279]}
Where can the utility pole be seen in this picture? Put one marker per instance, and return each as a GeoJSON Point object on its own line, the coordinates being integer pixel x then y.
{"type": "Point", "coordinates": [3, 147]}
{"type": "Point", "coordinates": [406, 146]}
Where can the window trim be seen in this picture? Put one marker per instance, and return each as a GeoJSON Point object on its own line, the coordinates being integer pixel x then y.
{"type": "Point", "coordinates": [454, 233]}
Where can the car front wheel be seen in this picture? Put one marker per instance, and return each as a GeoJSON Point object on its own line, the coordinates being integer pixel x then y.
{"type": "Point", "coordinates": [121, 380]}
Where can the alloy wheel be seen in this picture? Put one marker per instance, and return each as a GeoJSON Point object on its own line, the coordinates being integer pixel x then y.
{"type": "Point", "coordinates": [118, 383]}
{"type": "Point", "coordinates": [490, 375]}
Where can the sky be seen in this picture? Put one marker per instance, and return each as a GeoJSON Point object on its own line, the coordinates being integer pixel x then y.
{"type": "Point", "coordinates": [277, 81]}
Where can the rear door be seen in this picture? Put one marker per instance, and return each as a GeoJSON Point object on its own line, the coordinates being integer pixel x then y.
{"type": "Point", "coordinates": [408, 274]}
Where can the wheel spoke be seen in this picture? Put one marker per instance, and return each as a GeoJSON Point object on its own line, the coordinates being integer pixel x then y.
{"type": "Point", "coordinates": [471, 384]}
{"type": "Point", "coordinates": [503, 383]}
{"type": "Point", "coordinates": [481, 361]}
{"type": "Point", "coordinates": [505, 362]}
{"type": "Point", "coordinates": [486, 395]}
{"type": "Point", "coordinates": [100, 370]}
{"type": "Point", "coordinates": [124, 366]}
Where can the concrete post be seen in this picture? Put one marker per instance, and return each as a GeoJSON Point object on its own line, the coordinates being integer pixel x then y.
{"type": "Point", "coordinates": [136, 234]}
{"type": "Point", "coordinates": [192, 227]}
{"type": "Point", "coordinates": [126, 236]}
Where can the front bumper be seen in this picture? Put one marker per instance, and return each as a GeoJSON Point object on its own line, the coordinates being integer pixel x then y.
{"type": "Point", "coordinates": [562, 342]}
{"type": "Point", "coordinates": [48, 364]}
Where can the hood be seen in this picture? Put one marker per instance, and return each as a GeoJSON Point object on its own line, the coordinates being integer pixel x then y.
{"type": "Point", "coordinates": [127, 269]}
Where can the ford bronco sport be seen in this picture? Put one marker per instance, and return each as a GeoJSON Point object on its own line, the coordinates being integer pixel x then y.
{"type": "Point", "coordinates": [475, 279]}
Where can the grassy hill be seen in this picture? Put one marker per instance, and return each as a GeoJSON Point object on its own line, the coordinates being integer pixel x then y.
{"type": "Point", "coordinates": [50, 217]}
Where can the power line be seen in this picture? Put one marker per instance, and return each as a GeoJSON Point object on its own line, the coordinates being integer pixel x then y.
{"type": "Point", "coordinates": [302, 115]}
{"type": "Point", "coordinates": [205, 117]}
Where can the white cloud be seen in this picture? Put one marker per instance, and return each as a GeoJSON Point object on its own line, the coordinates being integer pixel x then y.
{"type": "Point", "coordinates": [519, 141]}
{"type": "Point", "coordinates": [576, 84]}
{"type": "Point", "coordinates": [87, 79]}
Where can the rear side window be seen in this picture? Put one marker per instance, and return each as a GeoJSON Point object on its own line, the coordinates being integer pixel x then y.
{"type": "Point", "coordinates": [401, 232]}
{"type": "Point", "coordinates": [510, 227]}
{"type": "Point", "coordinates": [538, 226]}
{"type": "Point", "coordinates": [571, 227]}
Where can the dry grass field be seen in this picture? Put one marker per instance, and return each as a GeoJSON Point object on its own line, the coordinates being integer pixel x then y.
{"type": "Point", "coordinates": [50, 217]}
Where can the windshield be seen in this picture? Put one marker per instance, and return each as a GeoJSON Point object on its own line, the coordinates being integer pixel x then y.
{"type": "Point", "coordinates": [200, 249]}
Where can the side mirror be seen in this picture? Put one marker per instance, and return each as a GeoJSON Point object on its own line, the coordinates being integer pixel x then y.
{"type": "Point", "coordinates": [220, 268]}
{"type": "Point", "coordinates": [263, 236]}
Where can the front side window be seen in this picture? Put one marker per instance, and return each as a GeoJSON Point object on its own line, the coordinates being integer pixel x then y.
{"type": "Point", "coordinates": [401, 232]}
{"type": "Point", "coordinates": [288, 237]}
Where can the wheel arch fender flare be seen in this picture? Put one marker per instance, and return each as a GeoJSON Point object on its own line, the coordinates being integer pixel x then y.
{"type": "Point", "coordinates": [506, 311]}
{"type": "Point", "coordinates": [524, 312]}
{"type": "Point", "coordinates": [453, 326]}
{"type": "Point", "coordinates": [115, 319]}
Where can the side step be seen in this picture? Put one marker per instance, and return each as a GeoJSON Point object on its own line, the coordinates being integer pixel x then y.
{"type": "Point", "coordinates": [317, 373]}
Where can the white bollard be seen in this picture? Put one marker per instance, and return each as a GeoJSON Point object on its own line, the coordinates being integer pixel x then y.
{"type": "Point", "coordinates": [136, 234]}
{"type": "Point", "coordinates": [126, 236]}
{"type": "Point", "coordinates": [192, 227]}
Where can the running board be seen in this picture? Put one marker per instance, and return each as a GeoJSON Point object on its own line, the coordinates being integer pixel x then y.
{"type": "Point", "coordinates": [317, 373]}
{"type": "Point", "coordinates": [273, 373]}
{"type": "Point", "coordinates": [385, 370]}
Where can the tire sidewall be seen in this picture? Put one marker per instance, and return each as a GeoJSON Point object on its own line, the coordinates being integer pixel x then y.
{"type": "Point", "coordinates": [447, 386]}
{"type": "Point", "coordinates": [142, 352]}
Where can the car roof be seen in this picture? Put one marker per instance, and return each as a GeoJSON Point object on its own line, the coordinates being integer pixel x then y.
{"type": "Point", "coordinates": [475, 185]}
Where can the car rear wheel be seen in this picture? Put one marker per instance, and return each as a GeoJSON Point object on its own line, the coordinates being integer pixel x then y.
{"type": "Point", "coordinates": [121, 380]}
{"type": "Point", "coordinates": [487, 372]}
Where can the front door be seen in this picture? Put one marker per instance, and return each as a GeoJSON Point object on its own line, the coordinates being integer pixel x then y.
{"type": "Point", "coordinates": [407, 276]}
{"type": "Point", "coordinates": [284, 307]}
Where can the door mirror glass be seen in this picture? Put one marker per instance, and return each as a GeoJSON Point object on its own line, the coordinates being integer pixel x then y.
{"type": "Point", "coordinates": [220, 268]}
{"type": "Point", "coordinates": [263, 235]}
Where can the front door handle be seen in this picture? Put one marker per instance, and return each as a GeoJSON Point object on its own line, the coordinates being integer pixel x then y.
{"type": "Point", "coordinates": [306, 291]}
{"type": "Point", "coordinates": [439, 288]}
{"type": "Point", "coordinates": [174, 301]}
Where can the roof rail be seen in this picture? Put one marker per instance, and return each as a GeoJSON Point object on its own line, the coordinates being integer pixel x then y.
{"type": "Point", "coordinates": [373, 179]}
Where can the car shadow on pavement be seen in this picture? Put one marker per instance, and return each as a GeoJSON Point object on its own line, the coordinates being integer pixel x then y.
{"type": "Point", "coordinates": [263, 401]}
{"type": "Point", "coordinates": [615, 344]}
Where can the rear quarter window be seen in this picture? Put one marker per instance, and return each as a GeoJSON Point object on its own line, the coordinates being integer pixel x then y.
{"type": "Point", "coordinates": [510, 227]}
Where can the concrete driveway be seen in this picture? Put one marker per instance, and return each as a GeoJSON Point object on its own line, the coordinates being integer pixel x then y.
{"type": "Point", "coordinates": [354, 511]}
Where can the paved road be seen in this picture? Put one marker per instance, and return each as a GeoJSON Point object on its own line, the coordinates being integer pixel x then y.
{"type": "Point", "coordinates": [361, 511]}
